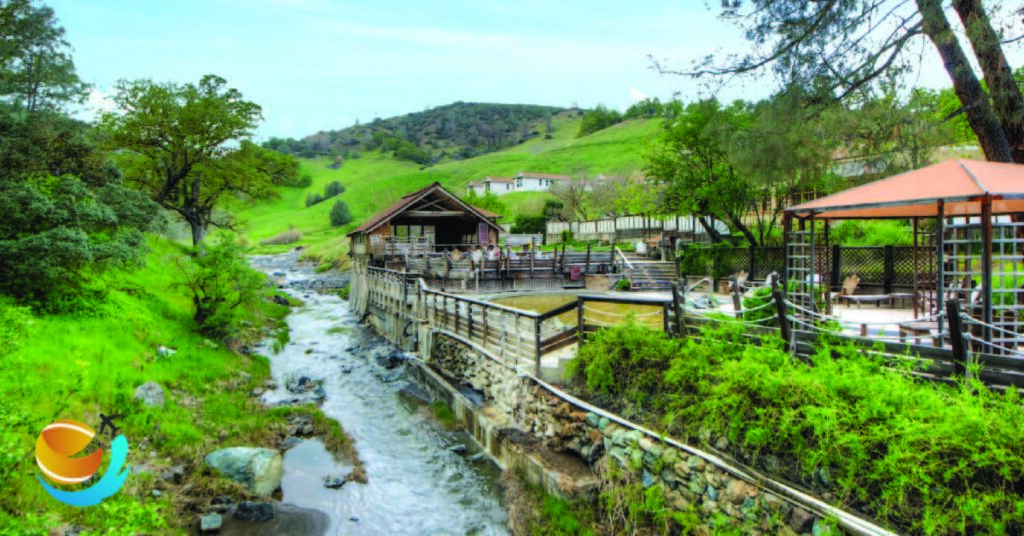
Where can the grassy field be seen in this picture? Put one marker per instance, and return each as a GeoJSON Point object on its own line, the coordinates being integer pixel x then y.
{"type": "Point", "coordinates": [374, 181]}
{"type": "Point", "coordinates": [75, 366]}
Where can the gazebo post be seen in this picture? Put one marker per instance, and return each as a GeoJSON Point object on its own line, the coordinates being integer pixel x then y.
{"type": "Point", "coordinates": [810, 284]}
{"type": "Point", "coordinates": [940, 247]}
{"type": "Point", "coordinates": [827, 269]}
{"type": "Point", "coordinates": [787, 228]}
{"type": "Point", "coordinates": [915, 268]}
{"type": "Point", "coordinates": [986, 266]}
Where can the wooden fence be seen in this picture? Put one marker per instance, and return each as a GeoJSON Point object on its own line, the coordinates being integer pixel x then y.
{"type": "Point", "coordinates": [520, 339]}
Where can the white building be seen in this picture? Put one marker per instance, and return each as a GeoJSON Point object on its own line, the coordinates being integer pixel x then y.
{"type": "Point", "coordinates": [537, 182]}
{"type": "Point", "coordinates": [495, 185]}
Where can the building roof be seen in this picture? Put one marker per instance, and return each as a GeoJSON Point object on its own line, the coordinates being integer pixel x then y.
{"type": "Point", "coordinates": [959, 184]}
{"type": "Point", "coordinates": [498, 179]}
{"type": "Point", "coordinates": [408, 200]}
{"type": "Point", "coordinates": [488, 213]}
{"type": "Point", "coordinates": [530, 175]}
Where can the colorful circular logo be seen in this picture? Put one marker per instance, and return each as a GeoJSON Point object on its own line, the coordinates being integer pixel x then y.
{"type": "Point", "coordinates": [55, 454]}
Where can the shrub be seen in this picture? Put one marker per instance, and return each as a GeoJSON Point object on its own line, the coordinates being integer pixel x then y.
{"type": "Point", "coordinates": [333, 189]}
{"type": "Point", "coordinates": [340, 214]}
{"type": "Point", "coordinates": [288, 237]}
{"type": "Point", "coordinates": [221, 285]}
{"type": "Point", "coordinates": [298, 180]}
{"type": "Point", "coordinates": [623, 284]}
{"type": "Point", "coordinates": [920, 457]}
{"type": "Point", "coordinates": [567, 236]}
{"type": "Point", "coordinates": [527, 224]}
{"type": "Point", "coordinates": [312, 199]}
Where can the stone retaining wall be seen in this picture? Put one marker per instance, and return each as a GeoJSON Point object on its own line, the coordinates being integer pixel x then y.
{"type": "Point", "coordinates": [689, 482]}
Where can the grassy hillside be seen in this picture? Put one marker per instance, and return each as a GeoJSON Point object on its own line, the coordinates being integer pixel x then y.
{"type": "Point", "coordinates": [75, 366]}
{"type": "Point", "coordinates": [376, 180]}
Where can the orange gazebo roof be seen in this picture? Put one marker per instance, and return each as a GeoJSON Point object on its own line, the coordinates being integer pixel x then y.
{"type": "Point", "coordinates": [960, 185]}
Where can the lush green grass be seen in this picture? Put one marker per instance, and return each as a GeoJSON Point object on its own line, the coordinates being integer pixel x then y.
{"type": "Point", "coordinates": [74, 367]}
{"type": "Point", "coordinates": [374, 181]}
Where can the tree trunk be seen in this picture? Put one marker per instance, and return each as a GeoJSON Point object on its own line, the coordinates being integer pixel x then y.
{"type": "Point", "coordinates": [968, 89]}
{"type": "Point", "coordinates": [1007, 100]}
{"type": "Point", "coordinates": [738, 224]}
{"type": "Point", "coordinates": [716, 237]}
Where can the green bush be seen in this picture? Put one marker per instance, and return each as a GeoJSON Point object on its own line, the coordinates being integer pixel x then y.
{"type": "Point", "coordinates": [623, 284]}
{"type": "Point", "coordinates": [222, 286]}
{"type": "Point", "coordinates": [340, 214]}
{"type": "Point", "coordinates": [298, 180]}
{"type": "Point", "coordinates": [530, 224]}
{"type": "Point", "coordinates": [919, 457]}
{"type": "Point", "coordinates": [313, 199]}
{"type": "Point", "coordinates": [333, 189]}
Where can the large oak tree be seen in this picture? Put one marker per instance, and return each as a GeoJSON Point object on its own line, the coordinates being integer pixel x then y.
{"type": "Point", "coordinates": [190, 147]}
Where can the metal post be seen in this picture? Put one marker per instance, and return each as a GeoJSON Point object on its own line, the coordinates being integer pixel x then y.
{"type": "Point", "coordinates": [986, 267]}
{"type": "Point", "coordinates": [940, 283]}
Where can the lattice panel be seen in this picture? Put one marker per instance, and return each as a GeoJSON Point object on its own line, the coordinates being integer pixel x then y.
{"type": "Point", "coordinates": [767, 261]}
{"type": "Point", "coordinates": [868, 263]}
{"type": "Point", "coordinates": [729, 262]}
{"type": "Point", "coordinates": [904, 271]}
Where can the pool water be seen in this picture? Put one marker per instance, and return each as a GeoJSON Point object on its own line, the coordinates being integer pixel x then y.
{"type": "Point", "coordinates": [595, 312]}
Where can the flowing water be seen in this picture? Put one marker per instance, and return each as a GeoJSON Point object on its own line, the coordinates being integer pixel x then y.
{"type": "Point", "coordinates": [417, 483]}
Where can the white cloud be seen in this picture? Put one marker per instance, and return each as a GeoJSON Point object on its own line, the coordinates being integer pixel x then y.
{"type": "Point", "coordinates": [638, 96]}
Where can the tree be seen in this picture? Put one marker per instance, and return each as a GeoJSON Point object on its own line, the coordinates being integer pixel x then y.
{"type": "Point", "coordinates": [552, 209]}
{"type": "Point", "coordinates": [573, 195]}
{"type": "Point", "coordinates": [598, 119]}
{"type": "Point", "coordinates": [340, 214]}
{"type": "Point", "coordinates": [692, 161]}
{"type": "Point", "coordinates": [36, 69]}
{"type": "Point", "coordinates": [180, 134]}
{"type": "Point", "coordinates": [488, 201]}
{"type": "Point", "coordinates": [841, 47]}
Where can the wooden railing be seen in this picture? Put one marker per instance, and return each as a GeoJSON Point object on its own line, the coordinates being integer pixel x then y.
{"type": "Point", "coordinates": [519, 339]}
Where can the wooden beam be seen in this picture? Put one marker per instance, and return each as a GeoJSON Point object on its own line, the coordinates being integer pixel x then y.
{"type": "Point", "coordinates": [433, 213]}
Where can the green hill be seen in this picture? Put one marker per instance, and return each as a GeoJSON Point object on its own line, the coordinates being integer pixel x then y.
{"type": "Point", "coordinates": [377, 179]}
{"type": "Point", "coordinates": [452, 132]}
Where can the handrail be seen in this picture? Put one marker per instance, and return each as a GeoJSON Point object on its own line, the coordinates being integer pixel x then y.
{"type": "Point", "coordinates": [489, 305]}
{"type": "Point", "coordinates": [625, 261]}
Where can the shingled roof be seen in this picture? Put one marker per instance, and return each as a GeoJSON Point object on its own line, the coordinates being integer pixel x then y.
{"type": "Point", "coordinates": [408, 200]}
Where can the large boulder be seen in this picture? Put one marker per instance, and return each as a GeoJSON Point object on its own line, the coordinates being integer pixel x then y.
{"type": "Point", "coordinates": [258, 469]}
{"type": "Point", "coordinates": [151, 394]}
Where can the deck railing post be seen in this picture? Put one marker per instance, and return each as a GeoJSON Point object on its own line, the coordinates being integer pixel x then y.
{"type": "Point", "coordinates": [736, 304]}
{"type": "Point", "coordinates": [784, 327]}
{"type": "Point", "coordinates": [537, 353]}
{"type": "Point", "coordinates": [956, 338]}
{"type": "Point", "coordinates": [581, 332]}
{"type": "Point", "coordinates": [587, 266]}
{"type": "Point", "coordinates": [677, 303]}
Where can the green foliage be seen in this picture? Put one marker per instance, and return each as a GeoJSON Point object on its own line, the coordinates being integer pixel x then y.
{"type": "Point", "coordinates": [527, 224]}
{"type": "Point", "coordinates": [56, 231]}
{"type": "Point", "coordinates": [36, 69]}
{"type": "Point", "coordinates": [760, 297]}
{"type": "Point", "coordinates": [488, 201]}
{"type": "Point", "coordinates": [567, 237]}
{"type": "Point", "coordinates": [623, 284]}
{"type": "Point", "coordinates": [340, 214]}
{"type": "Point", "coordinates": [872, 233]}
{"type": "Point", "coordinates": [222, 287]}
{"type": "Point", "coordinates": [921, 457]}
{"type": "Point", "coordinates": [599, 118]}
{"type": "Point", "coordinates": [345, 291]}
{"type": "Point", "coordinates": [333, 188]}
{"type": "Point", "coordinates": [175, 136]}
{"type": "Point", "coordinates": [313, 199]}
{"type": "Point", "coordinates": [444, 414]}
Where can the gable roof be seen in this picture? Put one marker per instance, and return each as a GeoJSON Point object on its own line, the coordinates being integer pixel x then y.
{"type": "Point", "coordinates": [408, 200]}
{"type": "Point", "coordinates": [959, 184]}
{"type": "Point", "coordinates": [498, 179]}
{"type": "Point", "coordinates": [531, 175]}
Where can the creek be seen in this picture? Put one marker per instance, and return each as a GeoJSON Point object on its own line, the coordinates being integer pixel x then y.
{"type": "Point", "coordinates": [422, 478]}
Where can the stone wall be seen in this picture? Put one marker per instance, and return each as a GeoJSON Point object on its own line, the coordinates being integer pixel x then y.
{"type": "Point", "coordinates": [689, 482]}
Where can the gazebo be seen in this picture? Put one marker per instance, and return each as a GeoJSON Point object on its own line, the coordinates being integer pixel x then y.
{"type": "Point", "coordinates": [978, 255]}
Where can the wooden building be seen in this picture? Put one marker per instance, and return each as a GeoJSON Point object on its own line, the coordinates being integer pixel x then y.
{"type": "Point", "coordinates": [428, 220]}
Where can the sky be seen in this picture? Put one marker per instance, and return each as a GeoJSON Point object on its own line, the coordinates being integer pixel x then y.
{"type": "Point", "coordinates": [324, 64]}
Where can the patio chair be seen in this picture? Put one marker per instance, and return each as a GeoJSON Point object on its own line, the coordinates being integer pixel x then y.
{"type": "Point", "coordinates": [848, 293]}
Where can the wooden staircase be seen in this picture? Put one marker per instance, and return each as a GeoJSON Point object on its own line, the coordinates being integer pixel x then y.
{"type": "Point", "coordinates": [651, 275]}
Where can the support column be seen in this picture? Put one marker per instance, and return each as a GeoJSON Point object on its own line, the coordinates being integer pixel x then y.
{"type": "Point", "coordinates": [986, 266]}
{"type": "Point", "coordinates": [940, 257]}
